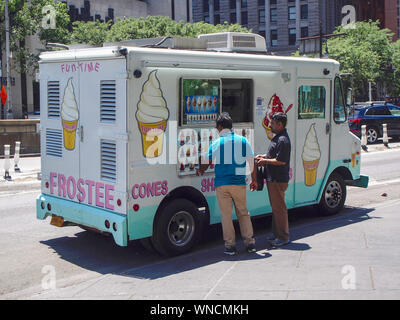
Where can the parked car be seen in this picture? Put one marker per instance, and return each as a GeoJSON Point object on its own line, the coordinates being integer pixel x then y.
{"type": "Point", "coordinates": [373, 116]}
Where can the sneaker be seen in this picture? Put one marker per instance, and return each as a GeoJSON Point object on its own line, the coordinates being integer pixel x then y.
{"type": "Point", "coordinates": [251, 248]}
{"type": "Point", "coordinates": [230, 251]}
{"type": "Point", "coordinates": [279, 243]}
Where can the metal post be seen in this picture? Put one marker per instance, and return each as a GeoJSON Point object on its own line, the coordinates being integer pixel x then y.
{"type": "Point", "coordinates": [9, 114]}
{"type": "Point", "coordinates": [7, 162]}
{"type": "Point", "coordinates": [385, 135]}
{"type": "Point", "coordinates": [370, 91]}
{"type": "Point", "coordinates": [16, 156]}
{"type": "Point", "coordinates": [364, 137]}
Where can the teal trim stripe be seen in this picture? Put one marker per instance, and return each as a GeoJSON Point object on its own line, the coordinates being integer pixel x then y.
{"type": "Point", "coordinates": [84, 215]}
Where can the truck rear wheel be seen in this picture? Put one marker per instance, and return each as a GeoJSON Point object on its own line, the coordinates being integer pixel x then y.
{"type": "Point", "coordinates": [177, 228]}
{"type": "Point", "coordinates": [333, 196]}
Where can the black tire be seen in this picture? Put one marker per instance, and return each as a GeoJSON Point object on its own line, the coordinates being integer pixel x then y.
{"type": "Point", "coordinates": [177, 227]}
{"type": "Point", "coordinates": [372, 134]}
{"type": "Point", "coordinates": [333, 196]}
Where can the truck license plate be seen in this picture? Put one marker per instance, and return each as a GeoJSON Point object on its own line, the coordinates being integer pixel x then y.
{"type": "Point", "coordinates": [57, 221]}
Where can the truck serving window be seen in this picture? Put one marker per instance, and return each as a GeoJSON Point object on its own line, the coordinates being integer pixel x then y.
{"type": "Point", "coordinates": [237, 99]}
{"type": "Point", "coordinates": [312, 101]}
{"type": "Point", "coordinates": [339, 112]}
{"type": "Point", "coordinates": [200, 100]}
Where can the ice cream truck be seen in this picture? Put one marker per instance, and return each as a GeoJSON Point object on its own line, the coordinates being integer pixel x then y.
{"type": "Point", "coordinates": [123, 128]}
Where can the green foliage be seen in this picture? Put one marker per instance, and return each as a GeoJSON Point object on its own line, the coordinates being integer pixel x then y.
{"type": "Point", "coordinates": [160, 26]}
{"type": "Point", "coordinates": [26, 20]}
{"type": "Point", "coordinates": [92, 33]}
{"type": "Point", "coordinates": [365, 51]}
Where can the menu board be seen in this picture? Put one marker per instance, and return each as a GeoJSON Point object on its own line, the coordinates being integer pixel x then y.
{"type": "Point", "coordinates": [200, 100]}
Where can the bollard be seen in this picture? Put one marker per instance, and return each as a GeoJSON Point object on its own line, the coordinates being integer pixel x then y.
{"type": "Point", "coordinates": [385, 135]}
{"type": "Point", "coordinates": [16, 156]}
{"type": "Point", "coordinates": [364, 137]}
{"type": "Point", "coordinates": [7, 162]}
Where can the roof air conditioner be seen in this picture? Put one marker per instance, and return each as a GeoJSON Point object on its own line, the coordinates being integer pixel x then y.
{"type": "Point", "coordinates": [234, 42]}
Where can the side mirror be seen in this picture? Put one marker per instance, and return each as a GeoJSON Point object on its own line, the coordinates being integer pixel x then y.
{"type": "Point", "coordinates": [349, 97]}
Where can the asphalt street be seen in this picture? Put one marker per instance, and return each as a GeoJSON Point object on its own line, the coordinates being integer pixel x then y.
{"type": "Point", "coordinates": [90, 266]}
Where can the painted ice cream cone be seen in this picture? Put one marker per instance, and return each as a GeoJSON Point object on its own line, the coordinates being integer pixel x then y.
{"type": "Point", "coordinates": [69, 116]}
{"type": "Point", "coordinates": [310, 172]}
{"type": "Point", "coordinates": [311, 155]}
{"type": "Point", "coordinates": [152, 116]}
{"type": "Point", "coordinates": [353, 155]}
{"type": "Point", "coordinates": [69, 133]}
{"type": "Point", "coordinates": [152, 137]}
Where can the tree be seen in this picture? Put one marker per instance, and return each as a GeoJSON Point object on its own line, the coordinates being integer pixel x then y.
{"type": "Point", "coordinates": [26, 19]}
{"type": "Point", "coordinates": [91, 32]}
{"type": "Point", "coordinates": [366, 52]}
{"type": "Point", "coordinates": [160, 26]}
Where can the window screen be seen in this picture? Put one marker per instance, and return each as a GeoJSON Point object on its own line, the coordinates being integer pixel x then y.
{"type": "Point", "coordinates": [312, 101]}
{"type": "Point", "coordinates": [237, 99]}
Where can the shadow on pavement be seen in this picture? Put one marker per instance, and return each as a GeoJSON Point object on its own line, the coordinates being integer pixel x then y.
{"type": "Point", "coordinates": [100, 254]}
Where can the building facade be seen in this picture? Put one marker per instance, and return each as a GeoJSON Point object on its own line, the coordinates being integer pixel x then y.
{"type": "Point", "coordinates": [284, 22]}
{"type": "Point", "coordinates": [281, 22]}
{"type": "Point", "coordinates": [25, 90]}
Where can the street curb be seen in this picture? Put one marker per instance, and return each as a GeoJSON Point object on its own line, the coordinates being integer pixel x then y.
{"type": "Point", "coordinates": [12, 186]}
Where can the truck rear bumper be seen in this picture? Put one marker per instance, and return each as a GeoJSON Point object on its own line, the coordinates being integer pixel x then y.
{"type": "Point", "coordinates": [84, 215]}
{"type": "Point", "coordinates": [362, 182]}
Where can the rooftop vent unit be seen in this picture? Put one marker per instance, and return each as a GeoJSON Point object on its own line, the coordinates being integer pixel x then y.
{"type": "Point", "coordinates": [234, 42]}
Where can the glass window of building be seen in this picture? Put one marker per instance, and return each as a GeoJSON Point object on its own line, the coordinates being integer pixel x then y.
{"type": "Point", "coordinates": [274, 38]}
{"type": "Point", "coordinates": [261, 3]}
{"type": "Point", "coordinates": [232, 4]}
{"type": "Point", "coordinates": [261, 16]}
{"type": "Point", "coordinates": [273, 2]}
{"type": "Point", "coordinates": [206, 7]}
{"type": "Point", "coordinates": [304, 11]}
{"type": "Point", "coordinates": [244, 18]}
{"type": "Point", "coordinates": [233, 17]}
{"type": "Point", "coordinates": [274, 15]}
{"type": "Point", "coordinates": [244, 3]}
{"type": "Point", "coordinates": [304, 32]}
{"type": "Point", "coordinates": [292, 36]}
{"type": "Point", "coordinates": [216, 5]}
{"type": "Point", "coordinates": [292, 13]}
{"type": "Point", "coordinates": [217, 19]}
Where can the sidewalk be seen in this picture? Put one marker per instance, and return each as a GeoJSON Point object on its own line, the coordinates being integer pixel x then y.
{"type": "Point", "coordinates": [26, 179]}
{"type": "Point", "coordinates": [350, 256]}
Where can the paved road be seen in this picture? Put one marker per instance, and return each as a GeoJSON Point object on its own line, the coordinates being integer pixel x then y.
{"type": "Point", "coordinates": [81, 259]}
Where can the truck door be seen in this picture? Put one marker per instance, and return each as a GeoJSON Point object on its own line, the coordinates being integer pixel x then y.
{"type": "Point", "coordinates": [312, 151]}
{"type": "Point", "coordinates": [59, 100]}
{"type": "Point", "coordinates": [103, 138]}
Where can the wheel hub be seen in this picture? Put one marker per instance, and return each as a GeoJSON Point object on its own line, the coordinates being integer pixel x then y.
{"type": "Point", "coordinates": [333, 194]}
{"type": "Point", "coordinates": [181, 228]}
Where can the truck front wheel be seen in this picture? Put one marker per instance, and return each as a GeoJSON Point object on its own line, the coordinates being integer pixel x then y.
{"type": "Point", "coordinates": [177, 228]}
{"type": "Point", "coordinates": [333, 196]}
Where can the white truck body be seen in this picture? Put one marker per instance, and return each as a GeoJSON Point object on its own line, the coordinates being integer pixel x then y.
{"type": "Point", "coordinates": [100, 170]}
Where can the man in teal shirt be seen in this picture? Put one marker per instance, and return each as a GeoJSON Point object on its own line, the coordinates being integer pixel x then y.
{"type": "Point", "coordinates": [229, 154]}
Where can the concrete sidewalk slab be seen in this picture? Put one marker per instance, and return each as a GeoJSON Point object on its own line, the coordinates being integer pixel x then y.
{"type": "Point", "coordinates": [326, 258]}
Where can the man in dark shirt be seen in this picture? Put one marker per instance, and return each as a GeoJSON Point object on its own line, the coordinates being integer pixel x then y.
{"type": "Point", "coordinates": [277, 162]}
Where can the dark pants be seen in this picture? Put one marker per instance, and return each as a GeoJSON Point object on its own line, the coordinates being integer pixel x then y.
{"type": "Point", "coordinates": [280, 223]}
